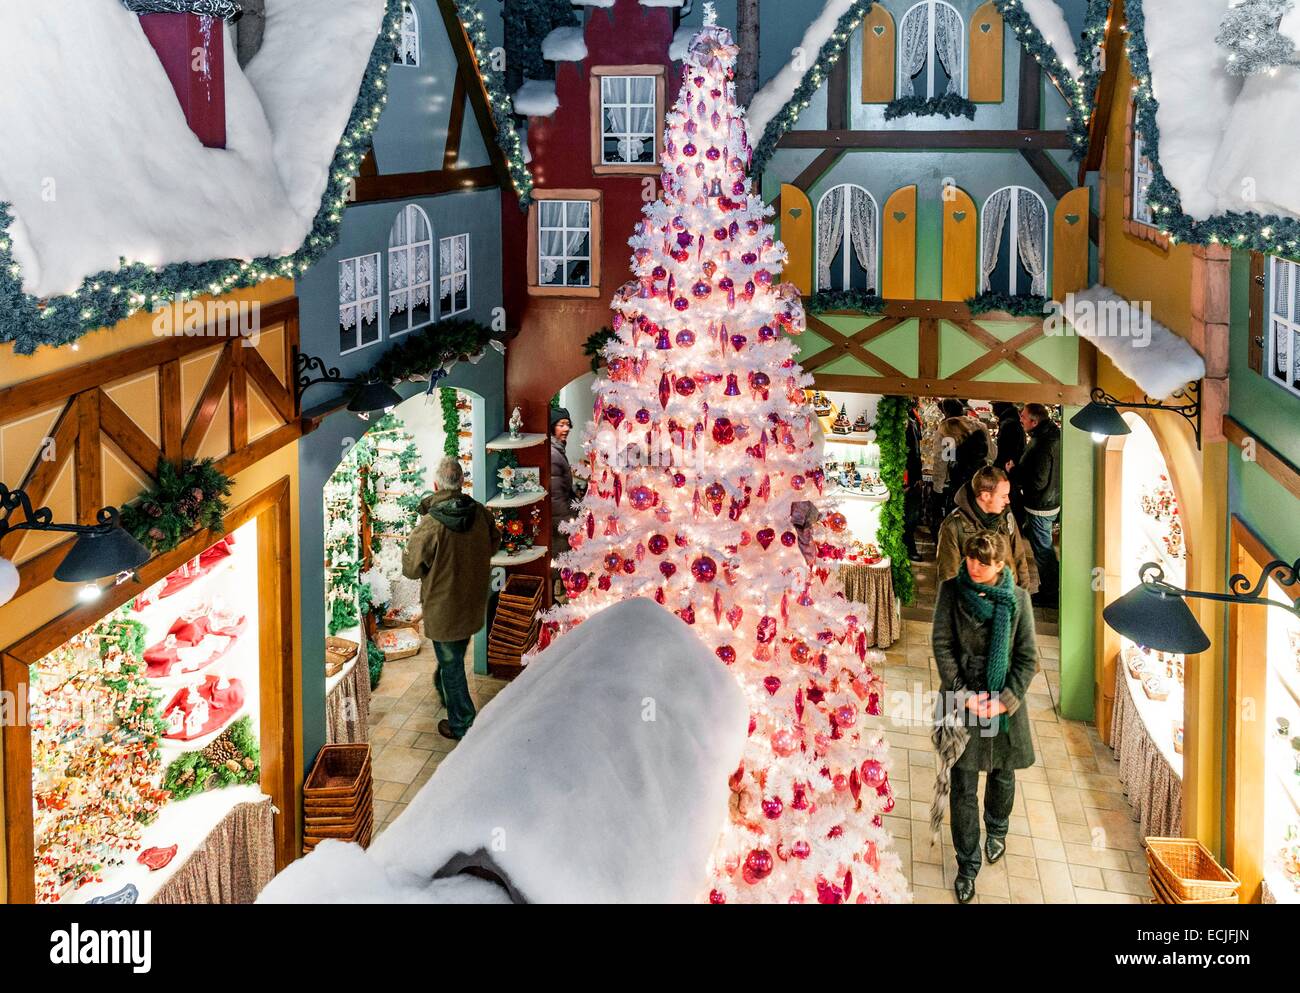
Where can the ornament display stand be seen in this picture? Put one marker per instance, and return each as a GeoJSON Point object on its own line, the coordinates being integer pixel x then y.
{"type": "Point", "coordinates": [522, 558]}
{"type": "Point", "coordinates": [518, 500]}
{"type": "Point", "coordinates": [505, 443]}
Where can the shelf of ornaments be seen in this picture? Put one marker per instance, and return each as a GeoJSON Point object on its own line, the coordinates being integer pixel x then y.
{"type": "Point", "coordinates": [185, 823]}
{"type": "Point", "coordinates": [1155, 532]}
{"type": "Point", "coordinates": [525, 499]}
{"type": "Point", "coordinates": [505, 443]}
{"type": "Point", "coordinates": [1159, 716]}
{"type": "Point", "coordinates": [857, 438]}
{"type": "Point", "coordinates": [520, 558]}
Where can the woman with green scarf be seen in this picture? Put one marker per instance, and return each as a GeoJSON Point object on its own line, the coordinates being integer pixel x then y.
{"type": "Point", "coordinates": [986, 652]}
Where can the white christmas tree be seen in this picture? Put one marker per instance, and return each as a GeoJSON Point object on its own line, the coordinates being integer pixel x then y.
{"type": "Point", "coordinates": [706, 469]}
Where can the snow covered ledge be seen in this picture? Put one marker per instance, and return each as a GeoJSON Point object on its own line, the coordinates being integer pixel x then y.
{"type": "Point", "coordinates": [1160, 361]}
{"type": "Point", "coordinates": [598, 776]}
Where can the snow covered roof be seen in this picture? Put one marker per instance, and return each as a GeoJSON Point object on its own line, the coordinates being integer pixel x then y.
{"type": "Point", "coordinates": [1159, 360]}
{"type": "Point", "coordinates": [1226, 143]}
{"type": "Point", "coordinates": [1052, 25]}
{"type": "Point", "coordinates": [99, 165]}
{"type": "Point", "coordinates": [536, 98]}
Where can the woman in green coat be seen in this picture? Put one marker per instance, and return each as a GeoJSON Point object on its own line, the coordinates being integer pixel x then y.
{"type": "Point", "coordinates": [986, 652]}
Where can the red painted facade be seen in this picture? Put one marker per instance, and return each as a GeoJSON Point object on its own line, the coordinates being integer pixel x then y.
{"type": "Point", "coordinates": [193, 54]}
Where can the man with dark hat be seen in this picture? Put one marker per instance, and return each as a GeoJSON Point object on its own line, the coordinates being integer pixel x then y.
{"type": "Point", "coordinates": [562, 492]}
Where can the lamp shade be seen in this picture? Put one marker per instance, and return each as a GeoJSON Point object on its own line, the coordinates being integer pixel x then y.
{"type": "Point", "coordinates": [374, 396]}
{"type": "Point", "coordinates": [98, 554]}
{"type": "Point", "coordinates": [1154, 619]}
{"type": "Point", "coordinates": [1101, 419]}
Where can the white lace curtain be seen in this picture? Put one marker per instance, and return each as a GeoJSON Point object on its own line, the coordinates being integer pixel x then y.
{"type": "Point", "coordinates": [914, 41]}
{"type": "Point", "coordinates": [630, 114]}
{"type": "Point", "coordinates": [1031, 238]}
{"type": "Point", "coordinates": [994, 220]}
{"type": "Point", "coordinates": [862, 231]}
{"type": "Point", "coordinates": [562, 236]}
{"type": "Point", "coordinates": [830, 232]}
{"type": "Point", "coordinates": [949, 41]}
{"type": "Point", "coordinates": [452, 262]}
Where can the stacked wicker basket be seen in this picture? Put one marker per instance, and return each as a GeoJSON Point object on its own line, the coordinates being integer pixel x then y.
{"type": "Point", "coordinates": [1182, 870]}
{"type": "Point", "coordinates": [338, 799]}
{"type": "Point", "coordinates": [515, 626]}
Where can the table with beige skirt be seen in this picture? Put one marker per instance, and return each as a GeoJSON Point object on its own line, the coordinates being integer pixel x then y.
{"type": "Point", "coordinates": [873, 585]}
{"type": "Point", "coordinates": [1150, 770]}
{"type": "Point", "coordinates": [347, 703]}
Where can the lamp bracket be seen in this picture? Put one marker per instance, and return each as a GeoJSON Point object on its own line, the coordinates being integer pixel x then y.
{"type": "Point", "coordinates": [329, 374]}
{"type": "Point", "coordinates": [1190, 411]}
{"type": "Point", "coordinates": [1243, 592]}
{"type": "Point", "coordinates": [42, 519]}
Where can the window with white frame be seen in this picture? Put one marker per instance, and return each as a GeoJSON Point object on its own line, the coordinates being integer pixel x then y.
{"type": "Point", "coordinates": [410, 271]}
{"type": "Point", "coordinates": [1013, 243]}
{"type": "Point", "coordinates": [564, 243]}
{"type": "Point", "coordinates": [406, 48]}
{"type": "Point", "coordinates": [358, 302]}
{"type": "Point", "coordinates": [1284, 323]}
{"type": "Point", "coordinates": [848, 231]}
{"type": "Point", "coordinates": [1142, 176]}
{"type": "Point", "coordinates": [931, 50]}
{"type": "Point", "coordinates": [453, 274]}
{"type": "Point", "coordinates": [628, 118]}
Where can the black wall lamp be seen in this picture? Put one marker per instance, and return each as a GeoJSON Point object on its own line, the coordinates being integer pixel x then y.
{"type": "Point", "coordinates": [1155, 615]}
{"type": "Point", "coordinates": [101, 550]}
{"type": "Point", "coordinates": [1102, 420]}
{"type": "Point", "coordinates": [367, 396]}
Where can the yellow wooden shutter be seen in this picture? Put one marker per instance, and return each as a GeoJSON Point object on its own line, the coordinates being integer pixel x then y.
{"type": "Point", "coordinates": [899, 222]}
{"type": "Point", "coordinates": [1070, 239]}
{"type": "Point", "coordinates": [796, 233]}
{"type": "Point", "coordinates": [986, 55]}
{"type": "Point", "coordinates": [960, 244]}
{"type": "Point", "coordinates": [878, 56]}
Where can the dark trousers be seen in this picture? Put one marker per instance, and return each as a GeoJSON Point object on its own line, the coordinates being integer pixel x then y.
{"type": "Point", "coordinates": [452, 686]}
{"type": "Point", "coordinates": [912, 517]}
{"type": "Point", "coordinates": [1038, 531]}
{"type": "Point", "coordinates": [963, 800]}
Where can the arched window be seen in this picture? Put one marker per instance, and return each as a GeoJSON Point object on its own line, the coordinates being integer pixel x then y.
{"type": "Point", "coordinates": [1013, 243]}
{"type": "Point", "coordinates": [931, 46]}
{"type": "Point", "coordinates": [410, 267]}
{"type": "Point", "coordinates": [406, 48]}
{"type": "Point", "coordinates": [848, 228]}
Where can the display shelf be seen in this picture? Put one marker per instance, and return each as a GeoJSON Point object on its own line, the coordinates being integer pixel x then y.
{"type": "Point", "coordinates": [1158, 717]}
{"type": "Point", "coordinates": [522, 558]}
{"type": "Point", "coordinates": [840, 493]}
{"type": "Point", "coordinates": [503, 442]}
{"type": "Point", "coordinates": [500, 502]}
{"type": "Point", "coordinates": [184, 823]}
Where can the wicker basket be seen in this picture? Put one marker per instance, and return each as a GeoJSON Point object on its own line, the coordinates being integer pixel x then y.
{"type": "Point", "coordinates": [338, 653]}
{"type": "Point", "coordinates": [1188, 873]}
{"type": "Point", "coordinates": [340, 772]}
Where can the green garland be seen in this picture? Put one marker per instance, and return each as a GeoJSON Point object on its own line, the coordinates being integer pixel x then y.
{"type": "Point", "coordinates": [593, 348]}
{"type": "Point", "coordinates": [786, 118]}
{"type": "Point", "coordinates": [106, 298]}
{"type": "Point", "coordinates": [527, 23]}
{"type": "Point", "coordinates": [421, 353]}
{"type": "Point", "coordinates": [195, 772]}
{"type": "Point", "coordinates": [507, 136]}
{"type": "Point", "coordinates": [1027, 34]}
{"type": "Point", "coordinates": [1025, 305]}
{"type": "Point", "coordinates": [1267, 233]}
{"type": "Point", "coordinates": [891, 436]}
{"type": "Point", "coordinates": [186, 498]}
{"type": "Point", "coordinates": [859, 301]}
{"type": "Point", "coordinates": [375, 662]}
{"type": "Point", "coordinates": [450, 423]}
{"type": "Point", "coordinates": [948, 105]}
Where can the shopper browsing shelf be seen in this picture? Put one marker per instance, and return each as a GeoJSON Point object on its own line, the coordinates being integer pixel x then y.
{"type": "Point", "coordinates": [450, 553]}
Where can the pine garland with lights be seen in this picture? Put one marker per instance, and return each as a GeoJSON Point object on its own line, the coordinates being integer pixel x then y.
{"type": "Point", "coordinates": [1021, 305]}
{"type": "Point", "coordinates": [507, 136]}
{"type": "Point", "coordinates": [1266, 233]}
{"type": "Point", "coordinates": [434, 348]}
{"type": "Point", "coordinates": [858, 301]}
{"type": "Point", "coordinates": [948, 105]}
{"type": "Point", "coordinates": [1027, 34]}
{"type": "Point", "coordinates": [1250, 33]}
{"type": "Point", "coordinates": [185, 499]}
{"type": "Point", "coordinates": [891, 436]}
{"type": "Point", "coordinates": [106, 298]}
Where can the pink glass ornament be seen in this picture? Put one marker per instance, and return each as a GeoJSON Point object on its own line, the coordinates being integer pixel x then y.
{"type": "Point", "coordinates": [758, 865]}
{"type": "Point", "coordinates": [686, 338]}
{"type": "Point", "coordinates": [771, 684]}
{"type": "Point", "coordinates": [704, 569]}
{"type": "Point", "coordinates": [772, 808]}
{"type": "Point", "coordinates": [726, 653]}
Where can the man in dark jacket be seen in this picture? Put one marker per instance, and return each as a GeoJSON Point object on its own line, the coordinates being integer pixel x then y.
{"type": "Point", "coordinates": [1037, 475]}
{"type": "Point", "coordinates": [561, 488]}
{"type": "Point", "coordinates": [913, 494]}
{"type": "Point", "coordinates": [986, 652]}
{"type": "Point", "coordinates": [1010, 445]}
{"type": "Point", "coordinates": [981, 505]}
{"type": "Point", "coordinates": [450, 553]}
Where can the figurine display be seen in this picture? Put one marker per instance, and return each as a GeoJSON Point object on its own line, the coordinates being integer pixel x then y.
{"type": "Point", "coordinates": [516, 424]}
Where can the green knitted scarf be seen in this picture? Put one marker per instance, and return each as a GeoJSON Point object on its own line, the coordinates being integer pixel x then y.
{"type": "Point", "coordinates": [996, 603]}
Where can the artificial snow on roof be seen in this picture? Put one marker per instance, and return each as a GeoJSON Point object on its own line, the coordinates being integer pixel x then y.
{"type": "Point", "coordinates": [1160, 361]}
{"type": "Point", "coordinates": [661, 3]}
{"type": "Point", "coordinates": [98, 161]}
{"type": "Point", "coordinates": [536, 98]}
{"type": "Point", "coordinates": [565, 45]}
{"type": "Point", "coordinates": [1050, 21]}
{"type": "Point", "coordinates": [776, 93]}
{"type": "Point", "coordinates": [1196, 96]}
{"type": "Point", "coordinates": [681, 43]}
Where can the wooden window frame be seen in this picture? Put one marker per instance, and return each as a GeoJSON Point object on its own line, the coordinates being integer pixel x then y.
{"type": "Point", "coordinates": [379, 298]}
{"type": "Point", "coordinates": [1138, 229]}
{"type": "Point", "coordinates": [469, 284]}
{"type": "Point", "coordinates": [596, 244]}
{"type": "Point", "coordinates": [1291, 319]}
{"type": "Point", "coordinates": [408, 248]}
{"type": "Point", "coordinates": [402, 33]}
{"type": "Point", "coordinates": [600, 168]}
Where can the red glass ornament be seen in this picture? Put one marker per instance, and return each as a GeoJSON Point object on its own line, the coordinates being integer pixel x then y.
{"type": "Point", "coordinates": [738, 341]}
{"type": "Point", "coordinates": [604, 581]}
{"type": "Point", "coordinates": [685, 386]}
{"type": "Point", "coordinates": [758, 865]}
{"type": "Point", "coordinates": [704, 569]}
{"type": "Point", "coordinates": [716, 897]}
{"type": "Point", "coordinates": [689, 149]}
{"type": "Point", "coordinates": [686, 338]}
{"type": "Point", "coordinates": [643, 416]}
{"type": "Point", "coordinates": [687, 614]}
{"type": "Point", "coordinates": [771, 684]}
{"type": "Point", "coordinates": [665, 390]}
{"type": "Point", "coordinates": [614, 415]}
{"type": "Point", "coordinates": [788, 539]}
{"type": "Point", "coordinates": [765, 537]}
{"type": "Point", "coordinates": [873, 774]}
{"type": "Point", "coordinates": [681, 303]}
{"type": "Point", "coordinates": [766, 630]}
{"type": "Point", "coordinates": [772, 808]}
{"type": "Point", "coordinates": [667, 568]}
{"type": "Point", "coordinates": [658, 544]}
{"type": "Point", "coordinates": [801, 849]}
{"type": "Point", "coordinates": [613, 561]}
{"type": "Point", "coordinates": [726, 653]}
{"type": "Point", "coordinates": [733, 387]}
{"type": "Point", "coordinates": [846, 716]}
{"type": "Point", "coordinates": [724, 433]}
{"type": "Point", "coordinates": [641, 497]}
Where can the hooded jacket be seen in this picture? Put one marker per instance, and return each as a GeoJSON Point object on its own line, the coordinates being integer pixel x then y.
{"type": "Point", "coordinates": [963, 522]}
{"type": "Point", "coordinates": [450, 553]}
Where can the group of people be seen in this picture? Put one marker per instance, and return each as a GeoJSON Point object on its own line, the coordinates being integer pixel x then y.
{"type": "Point", "coordinates": [1010, 484]}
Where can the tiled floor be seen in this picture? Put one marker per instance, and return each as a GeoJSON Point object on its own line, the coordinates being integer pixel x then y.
{"type": "Point", "coordinates": [1072, 837]}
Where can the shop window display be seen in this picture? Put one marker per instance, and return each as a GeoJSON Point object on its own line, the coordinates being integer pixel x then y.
{"type": "Point", "coordinates": [1282, 759]}
{"type": "Point", "coordinates": [137, 724]}
{"type": "Point", "coordinates": [852, 464]}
